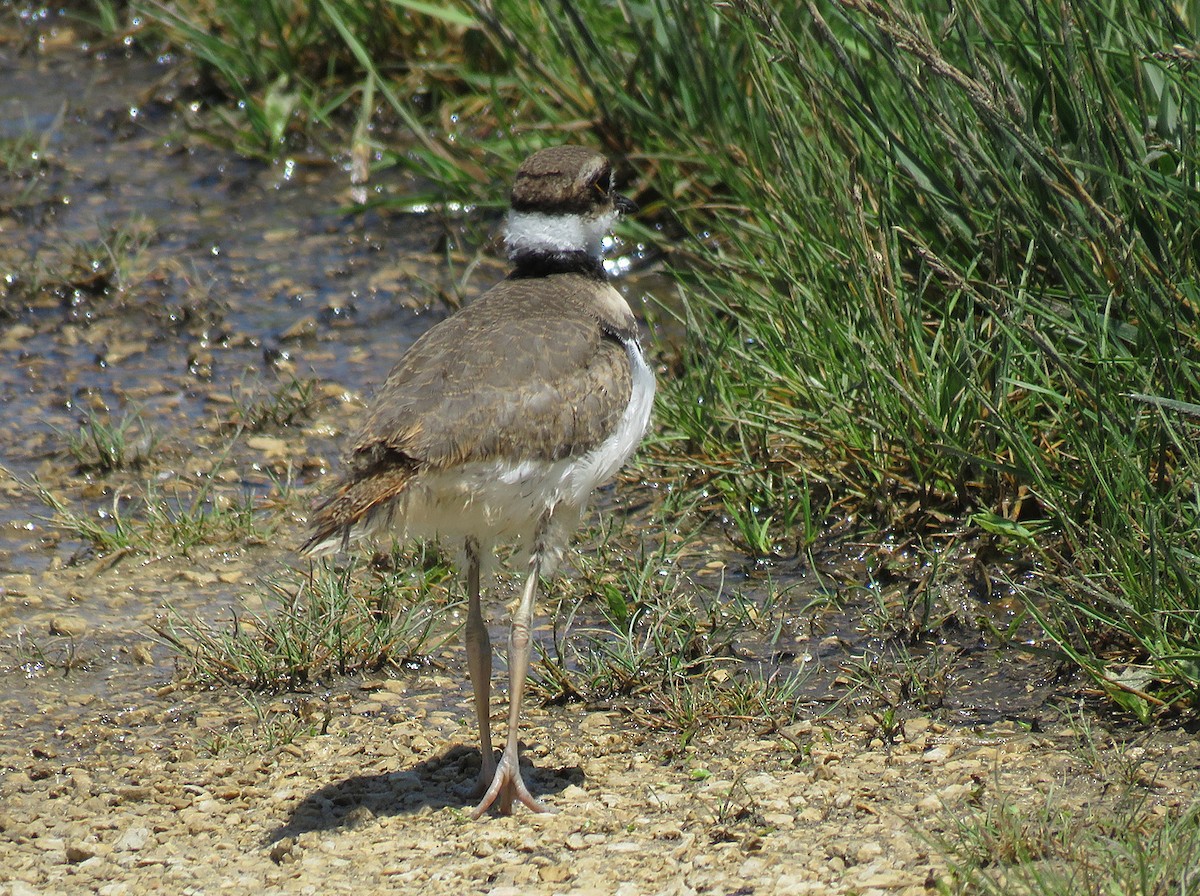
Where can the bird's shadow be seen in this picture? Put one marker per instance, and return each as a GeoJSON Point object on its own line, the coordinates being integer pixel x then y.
{"type": "Point", "coordinates": [433, 783]}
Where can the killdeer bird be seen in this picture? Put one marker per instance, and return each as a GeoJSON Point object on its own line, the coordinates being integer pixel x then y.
{"type": "Point", "coordinates": [500, 421]}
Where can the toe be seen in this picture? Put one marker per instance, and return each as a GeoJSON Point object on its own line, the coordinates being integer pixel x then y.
{"type": "Point", "coordinates": [507, 785]}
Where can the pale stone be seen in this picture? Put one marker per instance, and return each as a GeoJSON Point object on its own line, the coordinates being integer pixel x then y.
{"type": "Point", "coordinates": [68, 625]}
{"type": "Point", "coordinates": [134, 839]}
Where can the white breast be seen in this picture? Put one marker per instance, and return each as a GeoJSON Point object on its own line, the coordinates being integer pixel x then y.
{"type": "Point", "coordinates": [602, 463]}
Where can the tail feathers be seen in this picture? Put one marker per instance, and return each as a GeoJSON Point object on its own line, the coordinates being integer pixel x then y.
{"type": "Point", "coordinates": [335, 520]}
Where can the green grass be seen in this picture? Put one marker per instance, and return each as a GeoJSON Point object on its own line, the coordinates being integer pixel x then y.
{"type": "Point", "coordinates": [1126, 837]}
{"type": "Point", "coordinates": [1047, 847]}
{"type": "Point", "coordinates": [103, 445]}
{"type": "Point", "coordinates": [296, 71]}
{"type": "Point", "coordinates": [81, 270]}
{"type": "Point", "coordinates": [34, 655]}
{"type": "Point", "coordinates": [683, 658]}
{"type": "Point", "coordinates": [265, 728]}
{"type": "Point", "coordinates": [942, 268]}
{"type": "Point", "coordinates": [260, 407]}
{"type": "Point", "coordinates": [326, 621]}
{"type": "Point", "coordinates": [24, 158]}
{"type": "Point", "coordinates": [158, 523]}
{"type": "Point", "coordinates": [163, 521]}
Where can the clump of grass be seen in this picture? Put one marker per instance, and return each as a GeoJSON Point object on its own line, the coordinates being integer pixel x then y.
{"type": "Point", "coordinates": [899, 676]}
{"type": "Point", "coordinates": [185, 520]}
{"type": "Point", "coordinates": [103, 445]}
{"type": "Point", "coordinates": [80, 271]}
{"type": "Point", "coordinates": [163, 523]}
{"type": "Point", "coordinates": [270, 727]}
{"type": "Point", "coordinates": [773, 512]}
{"type": "Point", "coordinates": [1048, 848]}
{"type": "Point", "coordinates": [288, 402]}
{"type": "Point", "coordinates": [316, 624]}
{"type": "Point", "coordinates": [108, 530]}
{"type": "Point", "coordinates": [658, 636]}
{"type": "Point", "coordinates": [24, 159]}
{"type": "Point", "coordinates": [41, 656]}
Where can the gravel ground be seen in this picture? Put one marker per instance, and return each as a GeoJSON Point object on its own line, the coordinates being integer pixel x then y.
{"type": "Point", "coordinates": [177, 791]}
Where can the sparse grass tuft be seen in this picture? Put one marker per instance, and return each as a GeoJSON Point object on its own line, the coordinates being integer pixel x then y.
{"type": "Point", "coordinates": [108, 531]}
{"type": "Point", "coordinates": [1046, 848]}
{"type": "Point", "coordinates": [163, 522]}
{"type": "Point", "coordinates": [186, 519]}
{"type": "Point", "coordinates": [23, 161]}
{"type": "Point", "coordinates": [79, 272]}
{"type": "Point", "coordinates": [103, 445]}
{"type": "Point", "coordinates": [657, 637]}
{"type": "Point", "coordinates": [269, 726]}
{"type": "Point", "coordinates": [288, 402]}
{"type": "Point", "coordinates": [1127, 838]}
{"type": "Point", "coordinates": [36, 656]}
{"type": "Point", "coordinates": [900, 676]}
{"type": "Point", "coordinates": [325, 622]}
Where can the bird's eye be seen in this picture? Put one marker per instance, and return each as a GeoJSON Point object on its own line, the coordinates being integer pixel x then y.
{"type": "Point", "coordinates": [603, 184]}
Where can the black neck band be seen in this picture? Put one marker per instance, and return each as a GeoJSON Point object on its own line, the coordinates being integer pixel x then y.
{"type": "Point", "coordinates": [543, 264]}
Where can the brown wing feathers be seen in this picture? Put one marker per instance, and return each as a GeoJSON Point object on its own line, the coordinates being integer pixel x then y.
{"type": "Point", "coordinates": [356, 497]}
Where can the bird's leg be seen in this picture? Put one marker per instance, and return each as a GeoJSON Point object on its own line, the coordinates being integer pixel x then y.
{"type": "Point", "coordinates": [506, 783]}
{"type": "Point", "coordinates": [479, 664]}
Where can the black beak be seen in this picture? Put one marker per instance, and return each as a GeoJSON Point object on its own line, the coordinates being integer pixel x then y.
{"type": "Point", "coordinates": [624, 204]}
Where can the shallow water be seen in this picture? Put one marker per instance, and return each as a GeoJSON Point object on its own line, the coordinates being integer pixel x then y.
{"type": "Point", "coordinates": [150, 276]}
{"type": "Point", "coordinates": [230, 277]}
{"type": "Point", "coordinates": [237, 269]}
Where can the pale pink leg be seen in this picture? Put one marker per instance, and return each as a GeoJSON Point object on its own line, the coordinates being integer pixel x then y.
{"type": "Point", "coordinates": [506, 782]}
{"type": "Point", "coordinates": [479, 664]}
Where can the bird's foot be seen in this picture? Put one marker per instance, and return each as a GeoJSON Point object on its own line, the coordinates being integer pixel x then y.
{"type": "Point", "coordinates": [507, 785]}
